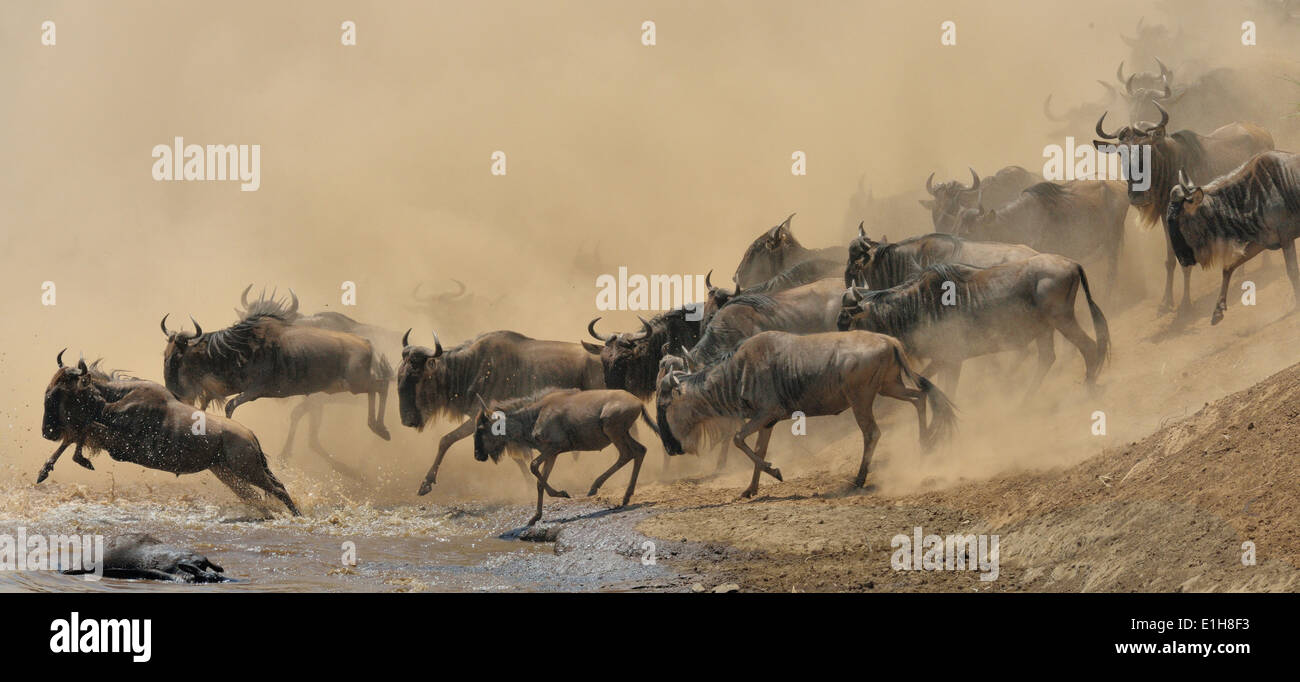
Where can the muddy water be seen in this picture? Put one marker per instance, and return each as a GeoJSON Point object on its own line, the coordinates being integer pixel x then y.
{"type": "Point", "coordinates": [399, 548]}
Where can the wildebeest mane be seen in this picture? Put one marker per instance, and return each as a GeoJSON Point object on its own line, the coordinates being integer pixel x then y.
{"type": "Point", "coordinates": [235, 343]}
{"type": "Point", "coordinates": [721, 337]}
{"type": "Point", "coordinates": [898, 310]}
{"type": "Point", "coordinates": [1052, 197]}
{"type": "Point", "coordinates": [799, 274]}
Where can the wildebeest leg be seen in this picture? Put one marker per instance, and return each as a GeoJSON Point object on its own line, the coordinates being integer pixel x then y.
{"type": "Point", "coordinates": [375, 417]}
{"type": "Point", "coordinates": [722, 456]}
{"type": "Point", "coordinates": [870, 433]}
{"type": "Point", "coordinates": [1167, 303]}
{"type": "Point", "coordinates": [764, 426]}
{"type": "Point", "coordinates": [81, 459]}
{"type": "Point", "coordinates": [49, 464]}
{"type": "Point", "coordinates": [262, 477]}
{"type": "Point", "coordinates": [245, 397]}
{"type": "Point", "coordinates": [241, 488]}
{"type": "Point", "coordinates": [542, 477]}
{"type": "Point", "coordinates": [313, 439]}
{"type": "Point", "coordinates": [1046, 358]}
{"type": "Point", "coordinates": [1070, 329]}
{"type": "Point", "coordinates": [528, 476]}
{"type": "Point", "coordinates": [294, 417]}
{"type": "Point", "coordinates": [1221, 307]}
{"type": "Point", "coordinates": [462, 431]}
{"type": "Point", "coordinates": [899, 390]}
{"type": "Point", "coordinates": [1292, 271]}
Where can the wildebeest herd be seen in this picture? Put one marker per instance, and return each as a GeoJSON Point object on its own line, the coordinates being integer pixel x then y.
{"type": "Point", "coordinates": [812, 331]}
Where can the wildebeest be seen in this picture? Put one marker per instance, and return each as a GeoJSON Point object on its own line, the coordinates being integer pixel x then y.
{"type": "Point", "coordinates": [496, 366]}
{"type": "Point", "coordinates": [775, 374]}
{"type": "Point", "coordinates": [566, 420]}
{"type": "Point", "coordinates": [631, 359]}
{"type": "Point", "coordinates": [266, 355]}
{"type": "Point", "coordinates": [1238, 215]}
{"type": "Point", "coordinates": [797, 275]}
{"type": "Point", "coordinates": [140, 556]}
{"type": "Point", "coordinates": [954, 312]}
{"type": "Point", "coordinates": [806, 309]}
{"type": "Point", "coordinates": [949, 198]}
{"type": "Point", "coordinates": [882, 264]}
{"type": "Point", "coordinates": [142, 422]}
{"type": "Point", "coordinates": [1078, 219]}
{"type": "Point", "coordinates": [1203, 157]}
{"type": "Point", "coordinates": [775, 251]}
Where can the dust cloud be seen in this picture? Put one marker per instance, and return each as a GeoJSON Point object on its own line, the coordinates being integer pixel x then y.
{"type": "Point", "coordinates": [665, 159]}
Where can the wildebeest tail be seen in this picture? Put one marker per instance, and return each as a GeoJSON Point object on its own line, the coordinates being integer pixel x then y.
{"type": "Point", "coordinates": [943, 415]}
{"type": "Point", "coordinates": [1100, 328]}
{"type": "Point", "coordinates": [645, 417]}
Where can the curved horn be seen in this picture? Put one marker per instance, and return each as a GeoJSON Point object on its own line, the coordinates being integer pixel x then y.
{"type": "Point", "coordinates": [1164, 80]}
{"type": "Point", "coordinates": [861, 229]}
{"type": "Point", "coordinates": [59, 358]}
{"type": "Point", "coordinates": [591, 329]}
{"type": "Point", "coordinates": [707, 281]}
{"type": "Point", "coordinates": [1164, 115]}
{"type": "Point", "coordinates": [1185, 183]}
{"type": "Point", "coordinates": [1128, 84]}
{"type": "Point", "coordinates": [1102, 133]}
{"type": "Point", "coordinates": [646, 329]}
{"type": "Point", "coordinates": [163, 324]}
{"type": "Point", "coordinates": [690, 365]}
{"type": "Point", "coordinates": [1165, 73]}
{"type": "Point", "coordinates": [1119, 72]}
{"type": "Point", "coordinates": [293, 306]}
{"type": "Point", "coordinates": [81, 364]}
{"type": "Point", "coordinates": [975, 180]}
{"type": "Point", "coordinates": [198, 331]}
{"type": "Point", "coordinates": [437, 345]}
{"type": "Point", "coordinates": [243, 298]}
{"type": "Point", "coordinates": [786, 223]}
{"type": "Point", "coordinates": [929, 182]}
{"type": "Point", "coordinates": [1047, 109]}
{"type": "Point", "coordinates": [460, 286]}
{"type": "Point", "coordinates": [406, 338]}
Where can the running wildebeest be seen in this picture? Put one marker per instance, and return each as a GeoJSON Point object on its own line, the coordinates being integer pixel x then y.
{"type": "Point", "coordinates": [565, 420]}
{"type": "Point", "coordinates": [881, 264]}
{"type": "Point", "coordinates": [312, 406]}
{"type": "Point", "coordinates": [631, 359]}
{"type": "Point", "coordinates": [1202, 157]}
{"type": "Point", "coordinates": [142, 422]}
{"type": "Point", "coordinates": [949, 198]}
{"type": "Point", "coordinates": [140, 556]}
{"type": "Point", "coordinates": [954, 312]}
{"type": "Point", "coordinates": [797, 275]}
{"type": "Point", "coordinates": [497, 366]}
{"type": "Point", "coordinates": [1235, 217]}
{"type": "Point", "coordinates": [1078, 219]}
{"type": "Point", "coordinates": [266, 355]}
{"type": "Point", "coordinates": [806, 309]}
{"type": "Point", "coordinates": [775, 251]}
{"type": "Point", "coordinates": [775, 374]}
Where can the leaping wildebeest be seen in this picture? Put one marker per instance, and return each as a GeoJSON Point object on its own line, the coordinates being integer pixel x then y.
{"type": "Point", "coordinates": [566, 420]}
{"type": "Point", "coordinates": [266, 355]}
{"type": "Point", "coordinates": [496, 366]}
{"type": "Point", "coordinates": [1078, 219]}
{"type": "Point", "coordinates": [1235, 217]}
{"type": "Point", "coordinates": [142, 422]}
{"type": "Point", "coordinates": [949, 198]}
{"type": "Point", "coordinates": [776, 251]}
{"type": "Point", "coordinates": [775, 374]}
{"type": "Point", "coordinates": [954, 312]}
{"type": "Point", "coordinates": [1202, 157]}
{"type": "Point", "coordinates": [884, 264]}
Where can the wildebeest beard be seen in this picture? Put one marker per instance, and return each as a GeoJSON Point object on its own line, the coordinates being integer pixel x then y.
{"type": "Point", "coordinates": [671, 445]}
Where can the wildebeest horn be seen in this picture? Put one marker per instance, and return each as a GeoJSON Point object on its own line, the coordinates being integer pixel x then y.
{"type": "Point", "coordinates": [406, 338]}
{"type": "Point", "coordinates": [1168, 90]}
{"type": "Point", "coordinates": [243, 297]}
{"type": "Point", "coordinates": [1128, 84]}
{"type": "Point", "coordinates": [1047, 108]}
{"type": "Point", "coordinates": [293, 307]}
{"type": "Point", "coordinates": [646, 329]}
{"type": "Point", "coordinates": [437, 345]}
{"type": "Point", "coordinates": [1101, 132]}
{"type": "Point", "coordinates": [1165, 73]}
{"type": "Point", "coordinates": [786, 223]}
{"type": "Point", "coordinates": [59, 358]}
{"type": "Point", "coordinates": [81, 364]}
{"type": "Point", "coordinates": [929, 182]}
{"type": "Point", "coordinates": [861, 231]}
{"type": "Point", "coordinates": [1164, 115]}
{"type": "Point", "coordinates": [198, 331]}
{"type": "Point", "coordinates": [975, 180]}
{"type": "Point", "coordinates": [686, 355]}
{"type": "Point", "coordinates": [707, 282]}
{"type": "Point", "coordinates": [163, 324]}
{"type": "Point", "coordinates": [1119, 72]}
{"type": "Point", "coordinates": [591, 329]}
{"type": "Point", "coordinates": [1184, 182]}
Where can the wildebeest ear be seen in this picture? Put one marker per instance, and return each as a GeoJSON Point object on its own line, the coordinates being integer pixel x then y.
{"type": "Point", "coordinates": [591, 347]}
{"type": "Point", "coordinates": [927, 203]}
{"type": "Point", "coordinates": [663, 350]}
{"type": "Point", "coordinates": [884, 239]}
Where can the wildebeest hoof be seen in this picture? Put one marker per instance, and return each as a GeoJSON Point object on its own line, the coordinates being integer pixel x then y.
{"type": "Point", "coordinates": [84, 462]}
{"type": "Point", "coordinates": [425, 488]}
{"type": "Point", "coordinates": [561, 493]}
{"type": "Point", "coordinates": [776, 473]}
{"type": "Point", "coordinates": [533, 521]}
{"type": "Point", "coordinates": [747, 494]}
{"type": "Point", "coordinates": [1217, 317]}
{"type": "Point", "coordinates": [382, 431]}
{"type": "Point", "coordinates": [590, 493]}
{"type": "Point", "coordinates": [45, 473]}
{"type": "Point", "coordinates": [860, 482]}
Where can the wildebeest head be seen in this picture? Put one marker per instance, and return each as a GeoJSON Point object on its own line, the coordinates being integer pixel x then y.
{"type": "Point", "coordinates": [851, 305]}
{"type": "Point", "coordinates": [419, 382]}
{"type": "Point", "coordinates": [1138, 135]}
{"type": "Point", "coordinates": [70, 400]}
{"type": "Point", "coordinates": [622, 354]}
{"type": "Point", "coordinates": [718, 297]}
{"type": "Point", "coordinates": [184, 352]}
{"type": "Point", "coordinates": [1144, 89]}
{"type": "Point", "coordinates": [862, 253]}
{"type": "Point", "coordinates": [486, 443]}
{"type": "Point", "coordinates": [949, 198]}
{"type": "Point", "coordinates": [1185, 200]}
{"type": "Point", "coordinates": [671, 420]}
{"type": "Point", "coordinates": [773, 251]}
